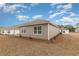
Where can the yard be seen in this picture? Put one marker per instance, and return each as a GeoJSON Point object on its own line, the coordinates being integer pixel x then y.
{"type": "Point", "coordinates": [65, 44]}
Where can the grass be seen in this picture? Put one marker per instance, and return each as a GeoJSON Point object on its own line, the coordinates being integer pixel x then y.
{"type": "Point", "coordinates": [65, 44]}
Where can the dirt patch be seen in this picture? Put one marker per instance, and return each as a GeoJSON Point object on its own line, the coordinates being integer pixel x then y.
{"type": "Point", "coordinates": [65, 44]}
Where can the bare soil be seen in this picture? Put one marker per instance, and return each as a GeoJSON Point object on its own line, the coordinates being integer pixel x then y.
{"type": "Point", "coordinates": [62, 45]}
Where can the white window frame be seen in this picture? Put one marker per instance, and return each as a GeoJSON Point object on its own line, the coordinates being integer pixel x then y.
{"type": "Point", "coordinates": [37, 30]}
{"type": "Point", "coordinates": [22, 30]}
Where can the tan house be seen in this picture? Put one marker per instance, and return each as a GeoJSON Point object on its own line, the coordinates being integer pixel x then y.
{"type": "Point", "coordinates": [38, 28]}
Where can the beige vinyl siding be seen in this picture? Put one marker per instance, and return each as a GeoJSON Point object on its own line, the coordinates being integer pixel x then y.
{"type": "Point", "coordinates": [1, 31]}
{"type": "Point", "coordinates": [30, 32]}
{"type": "Point", "coordinates": [53, 31]}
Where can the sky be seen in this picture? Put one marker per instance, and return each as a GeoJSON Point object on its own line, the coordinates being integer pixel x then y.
{"type": "Point", "coordinates": [58, 13]}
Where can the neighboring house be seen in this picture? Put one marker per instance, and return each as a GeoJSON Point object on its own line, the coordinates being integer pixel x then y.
{"type": "Point", "coordinates": [41, 29]}
{"type": "Point", "coordinates": [77, 30]}
{"type": "Point", "coordinates": [13, 30]}
{"type": "Point", "coordinates": [38, 28]}
{"type": "Point", "coordinates": [63, 30]}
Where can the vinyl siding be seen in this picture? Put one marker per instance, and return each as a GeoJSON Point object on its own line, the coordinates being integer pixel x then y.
{"type": "Point", "coordinates": [30, 32]}
{"type": "Point", "coordinates": [52, 31]}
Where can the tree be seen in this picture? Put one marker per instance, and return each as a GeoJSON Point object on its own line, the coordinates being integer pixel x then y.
{"type": "Point", "coordinates": [70, 28]}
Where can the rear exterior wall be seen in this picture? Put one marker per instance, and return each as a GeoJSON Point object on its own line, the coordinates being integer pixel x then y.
{"type": "Point", "coordinates": [30, 32]}
{"type": "Point", "coordinates": [52, 31]}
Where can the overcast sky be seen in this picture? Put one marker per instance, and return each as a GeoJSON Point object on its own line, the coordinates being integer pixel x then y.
{"type": "Point", "coordinates": [62, 14]}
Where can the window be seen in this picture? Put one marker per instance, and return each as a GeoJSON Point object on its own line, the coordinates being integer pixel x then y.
{"type": "Point", "coordinates": [23, 30]}
{"type": "Point", "coordinates": [8, 31]}
{"type": "Point", "coordinates": [37, 29]}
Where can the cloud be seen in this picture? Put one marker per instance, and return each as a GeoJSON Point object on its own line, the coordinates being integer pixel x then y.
{"type": "Point", "coordinates": [37, 16]}
{"type": "Point", "coordinates": [66, 20]}
{"type": "Point", "coordinates": [61, 9]}
{"type": "Point", "coordinates": [20, 5]}
{"type": "Point", "coordinates": [66, 23]}
{"type": "Point", "coordinates": [54, 4]}
{"type": "Point", "coordinates": [72, 14]}
{"type": "Point", "coordinates": [57, 21]}
{"type": "Point", "coordinates": [59, 6]}
{"type": "Point", "coordinates": [22, 18]}
{"type": "Point", "coordinates": [64, 7]}
{"type": "Point", "coordinates": [52, 16]}
{"type": "Point", "coordinates": [11, 8]}
{"type": "Point", "coordinates": [69, 20]}
{"type": "Point", "coordinates": [34, 4]}
{"type": "Point", "coordinates": [56, 14]}
{"type": "Point", "coordinates": [51, 11]}
{"type": "Point", "coordinates": [67, 6]}
{"type": "Point", "coordinates": [1, 5]}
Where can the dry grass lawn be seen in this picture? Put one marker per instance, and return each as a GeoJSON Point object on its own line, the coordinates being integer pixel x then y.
{"type": "Point", "coordinates": [65, 44]}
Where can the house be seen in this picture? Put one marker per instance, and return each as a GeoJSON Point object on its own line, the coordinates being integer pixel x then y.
{"type": "Point", "coordinates": [39, 28]}
{"type": "Point", "coordinates": [10, 30]}
{"type": "Point", "coordinates": [77, 30]}
{"type": "Point", "coordinates": [63, 30]}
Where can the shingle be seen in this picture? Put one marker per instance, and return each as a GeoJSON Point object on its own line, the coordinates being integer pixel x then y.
{"type": "Point", "coordinates": [33, 22]}
{"type": "Point", "coordinates": [38, 21]}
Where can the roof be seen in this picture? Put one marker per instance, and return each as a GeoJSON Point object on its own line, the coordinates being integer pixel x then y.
{"type": "Point", "coordinates": [37, 22]}
{"type": "Point", "coordinates": [34, 22]}
{"type": "Point", "coordinates": [8, 27]}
